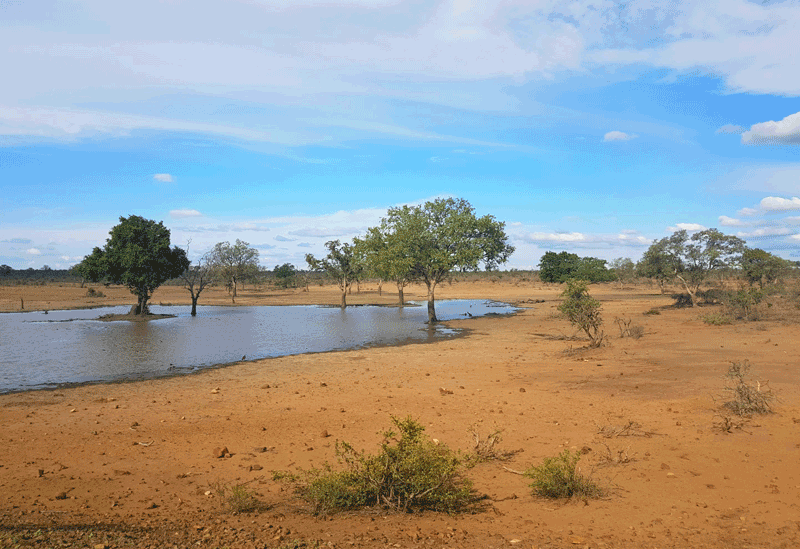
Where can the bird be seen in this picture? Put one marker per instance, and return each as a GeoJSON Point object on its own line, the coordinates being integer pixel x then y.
{"type": "Point", "coordinates": [244, 357]}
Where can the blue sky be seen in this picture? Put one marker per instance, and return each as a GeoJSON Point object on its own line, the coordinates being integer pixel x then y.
{"type": "Point", "coordinates": [593, 126]}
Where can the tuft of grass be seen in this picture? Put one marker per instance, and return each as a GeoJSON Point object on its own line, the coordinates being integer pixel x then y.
{"type": "Point", "coordinates": [652, 311]}
{"type": "Point", "coordinates": [716, 319]}
{"type": "Point", "coordinates": [410, 472]}
{"type": "Point", "coordinates": [91, 292]}
{"type": "Point", "coordinates": [746, 397]}
{"type": "Point", "coordinates": [559, 477]}
{"type": "Point", "coordinates": [237, 498]}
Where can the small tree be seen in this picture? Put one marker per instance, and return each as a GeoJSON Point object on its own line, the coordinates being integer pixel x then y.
{"type": "Point", "coordinates": [233, 263]}
{"type": "Point", "coordinates": [341, 264]}
{"type": "Point", "coordinates": [137, 255]}
{"type": "Point", "coordinates": [583, 310]}
{"type": "Point", "coordinates": [196, 278]}
{"type": "Point", "coordinates": [285, 275]}
{"type": "Point", "coordinates": [624, 268]}
{"type": "Point", "coordinates": [442, 235]}
{"type": "Point", "coordinates": [385, 255]}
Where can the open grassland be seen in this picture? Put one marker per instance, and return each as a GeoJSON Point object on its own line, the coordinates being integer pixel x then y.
{"type": "Point", "coordinates": [137, 464]}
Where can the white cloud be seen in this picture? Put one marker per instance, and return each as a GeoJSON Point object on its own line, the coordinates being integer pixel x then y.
{"type": "Point", "coordinates": [747, 212]}
{"type": "Point", "coordinates": [34, 251]}
{"type": "Point", "coordinates": [730, 129]}
{"type": "Point", "coordinates": [778, 204]}
{"type": "Point", "coordinates": [726, 221]}
{"type": "Point", "coordinates": [687, 227]}
{"type": "Point", "coordinates": [765, 231]}
{"type": "Point", "coordinates": [618, 136]}
{"type": "Point", "coordinates": [786, 131]}
{"type": "Point", "coordinates": [163, 177]}
{"type": "Point", "coordinates": [181, 214]}
{"type": "Point", "coordinates": [281, 238]}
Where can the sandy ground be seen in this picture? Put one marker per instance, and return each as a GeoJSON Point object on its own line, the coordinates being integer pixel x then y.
{"type": "Point", "coordinates": [133, 465]}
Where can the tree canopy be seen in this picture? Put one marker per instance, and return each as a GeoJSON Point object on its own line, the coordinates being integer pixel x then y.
{"type": "Point", "coordinates": [445, 235]}
{"type": "Point", "coordinates": [138, 255]}
{"type": "Point", "coordinates": [561, 267]}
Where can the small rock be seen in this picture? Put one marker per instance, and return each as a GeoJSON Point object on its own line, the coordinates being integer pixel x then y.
{"type": "Point", "coordinates": [323, 384]}
{"type": "Point", "coordinates": [514, 541]}
{"type": "Point", "coordinates": [100, 546]}
{"type": "Point", "coordinates": [255, 467]}
{"type": "Point", "coordinates": [260, 449]}
{"type": "Point", "coordinates": [324, 434]}
{"type": "Point", "coordinates": [41, 473]}
{"type": "Point", "coordinates": [443, 391]}
{"type": "Point", "coordinates": [266, 386]}
{"type": "Point", "coordinates": [220, 452]}
{"type": "Point", "coordinates": [215, 391]}
{"type": "Point", "coordinates": [135, 424]}
{"type": "Point", "coordinates": [670, 475]}
{"type": "Point", "coordinates": [152, 506]}
{"type": "Point", "coordinates": [61, 495]}
{"type": "Point", "coordinates": [522, 389]}
{"type": "Point", "coordinates": [664, 467]}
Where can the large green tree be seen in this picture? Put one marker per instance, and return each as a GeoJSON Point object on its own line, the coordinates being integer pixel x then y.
{"type": "Point", "coordinates": [233, 263]}
{"type": "Point", "coordinates": [445, 235]}
{"type": "Point", "coordinates": [342, 264]}
{"type": "Point", "coordinates": [138, 255]}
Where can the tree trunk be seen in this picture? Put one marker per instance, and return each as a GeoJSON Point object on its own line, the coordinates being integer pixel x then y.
{"type": "Point", "coordinates": [431, 307]}
{"type": "Point", "coordinates": [344, 297]}
{"type": "Point", "coordinates": [380, 287]}
{"type": "Point", "coordinates": [400, 295]}
{"type": "Point", "coordinates": [194, 304]}
{"type": "Point", "coordinates": [141, 307]}
{"type": "Point", "coordinates": [233, 295]}
{"type": "Point", "coordinates": [692, 295]}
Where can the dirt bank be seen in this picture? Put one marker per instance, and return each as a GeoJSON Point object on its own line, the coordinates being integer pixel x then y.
{"type": "Point", "coordinates": [133, 465]}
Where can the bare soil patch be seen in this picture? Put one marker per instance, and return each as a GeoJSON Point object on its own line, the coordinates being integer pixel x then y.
{"type": "Point", "coordinates": [134, 464]}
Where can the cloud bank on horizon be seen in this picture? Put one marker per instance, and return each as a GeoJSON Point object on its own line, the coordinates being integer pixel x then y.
{"type": "Point", "coordinates": [585, 125]}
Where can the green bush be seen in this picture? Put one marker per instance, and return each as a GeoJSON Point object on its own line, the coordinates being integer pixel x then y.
{"type": "Point", "coordinates": [410, 472]}
{"type": "Point", "coordinates": [744, 303]}
{"type": "Point", "coordinates": [583, 311]}
{"type": "Point", "coordinates": [559, 477]}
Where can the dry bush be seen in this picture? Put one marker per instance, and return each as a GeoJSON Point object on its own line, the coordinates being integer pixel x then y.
{"type": "Point", "coordinates": [629, 429]}
{"type": "Point", "coordinates": [652, 311]}
{"type": "Point", "coordinates": [626, 330]}
{"type": "Point", "coordinates": [619, 456]}
{"type": "Point", "coordinates": [485, 448]}
{"type": "Point", "coordinates": [746, 397]}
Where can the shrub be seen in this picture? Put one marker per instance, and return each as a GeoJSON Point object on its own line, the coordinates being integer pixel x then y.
{"type": "Point", "coordinates": [583, 311]}
{"type": "Point", "coordinates": [91, 292]}
{"type": "Point", "coordinates": [746, 398]}
{"type": "Point", "coordinates": [652, 311]}
{"type": "Point", "coordinates": [559, 477]}
{"type": "Point", "coordinates": [744, 303]}
{"type": "Point", "coordinates": [410, 472]}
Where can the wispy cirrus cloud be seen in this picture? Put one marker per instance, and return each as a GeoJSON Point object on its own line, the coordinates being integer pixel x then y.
{"type": "Point", "coordinates": [163, 177]}
{"type": "Point", "coordinates": [182, 214]}
{"type": "Point", "coordinates": [618, 136]}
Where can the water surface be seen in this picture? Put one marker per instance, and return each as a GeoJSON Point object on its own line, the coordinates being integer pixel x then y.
{"type": "Point", "coordinates": [39, 350]}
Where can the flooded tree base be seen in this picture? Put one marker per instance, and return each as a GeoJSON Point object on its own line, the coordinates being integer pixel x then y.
{"type": "Point", "coordinates": [133, 318]}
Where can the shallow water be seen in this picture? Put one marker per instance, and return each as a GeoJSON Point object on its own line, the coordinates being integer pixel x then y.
{"type": "Point", "coordinates": [39, 350]}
